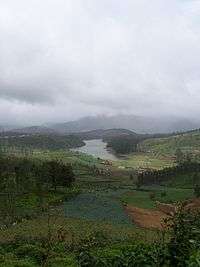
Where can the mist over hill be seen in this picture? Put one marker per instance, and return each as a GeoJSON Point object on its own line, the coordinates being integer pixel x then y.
{"type": "Point", "coordinates": [138, 124]}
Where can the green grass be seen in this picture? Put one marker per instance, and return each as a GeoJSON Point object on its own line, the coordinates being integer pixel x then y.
{"type": "Point", "coordinates": [75, 230]}
{"type": "Point", "coordinates": [75, 158]}
{"type": "Point", "coordinates": [138, 199]}
{"type": "Point", "coordinates": [145, 160]}
{"type": "Point", "coordinates": [142, 199]}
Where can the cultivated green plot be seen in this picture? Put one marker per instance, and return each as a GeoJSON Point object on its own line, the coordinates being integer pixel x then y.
{"type": "Point", "coordinates": [147, 197]}
{"type": "Point", "coordinates": [98, 206]}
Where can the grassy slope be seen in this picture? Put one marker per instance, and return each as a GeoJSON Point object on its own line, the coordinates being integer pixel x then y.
{"type": "Point", "coordinates": [142, 199]}
{"type": "Point", "coordinates": [188, 142]}
{"type": "Point", "coordinates": [145, 160]}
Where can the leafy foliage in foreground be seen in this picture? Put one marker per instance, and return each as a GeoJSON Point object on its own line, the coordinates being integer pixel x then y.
{"type": "Point", "coordinates": [179, 248]}
{"type": "Point", "coordinates": [182, 249]}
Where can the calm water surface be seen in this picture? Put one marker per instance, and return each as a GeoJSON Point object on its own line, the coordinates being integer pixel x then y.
{"type": "Point", "coordinates": [96, 148]}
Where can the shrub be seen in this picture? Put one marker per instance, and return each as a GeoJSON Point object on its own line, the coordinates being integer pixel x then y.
{"type": "Point", "coordinates": [194, 260]}
{"type": "Point", "coordinates": [32, 251]}
{"type": "Point", "coordinates": [136, 255]}
{"type": "Point", "coordinates": [197, 190]}
{"type": "Point", "coordinates": [9, 260]}
{"type": "Point", "coordinates": [163, 194]}
{"type": "Point", "coordinates": [68, 261]}
{"type": "Point", "coordinates": [185, 236]}
{"type": "Point", "coordinates": [96, 239]}
{"type": "Point", "coordinates": [152, 195]}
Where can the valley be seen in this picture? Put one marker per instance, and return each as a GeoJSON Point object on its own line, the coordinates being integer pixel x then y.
{"type": "Point", "coordinates": [105, 193]}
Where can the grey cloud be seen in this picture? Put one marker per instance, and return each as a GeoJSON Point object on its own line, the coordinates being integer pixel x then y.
{"type": "Point", "coordinates": [61, 59]}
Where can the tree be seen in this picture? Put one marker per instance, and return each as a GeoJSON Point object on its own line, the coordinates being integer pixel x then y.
{"type": "Point", "coordinates": [185, 235]}
{"type": "Point", "coordinates": [197, 190]}
{"type": "Point", "coordinates": [195, 178]}
{"type": "Point", "coordinates": [58, 174]}
{"type": "Point", "coordinates": [179, 156]}
{"type": "Point", "coordinates": [138, 182]}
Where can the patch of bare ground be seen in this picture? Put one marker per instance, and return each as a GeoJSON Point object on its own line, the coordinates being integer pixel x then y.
{"type": "Point", "coordinates": [154, 219]}
{"type": "Point", "coordinates": [193, 205]}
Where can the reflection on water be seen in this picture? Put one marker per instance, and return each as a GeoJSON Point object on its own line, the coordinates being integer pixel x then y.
{"type": "Point", "coordinates": [96, 148]}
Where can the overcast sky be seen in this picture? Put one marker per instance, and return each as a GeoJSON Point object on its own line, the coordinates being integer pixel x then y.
{"type": "Point", "coordinates": [64, 59]}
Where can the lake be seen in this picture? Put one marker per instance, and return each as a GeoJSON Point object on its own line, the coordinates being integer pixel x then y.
{"type": "Point", "coordinates": [96, 148]}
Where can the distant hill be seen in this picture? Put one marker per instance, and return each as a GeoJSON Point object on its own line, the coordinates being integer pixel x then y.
{"type": "Point", "coordinates": [137, 124]}
{"type": "Point", "coordinates": [34, 130]}
{"type": "Point", "coordinates": [187, 142]}
{"type": "Point", "coordinates": [4, 128]}
{"type": "Point", "coordinates": [103, 134]}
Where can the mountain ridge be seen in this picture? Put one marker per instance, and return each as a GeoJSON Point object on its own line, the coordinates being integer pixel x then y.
{"type": "Point", "coordinates": [134, 123]}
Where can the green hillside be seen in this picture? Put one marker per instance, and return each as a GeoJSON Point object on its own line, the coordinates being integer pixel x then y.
{"type": "Point", "coordinates": [39, 141]}
{"type": "Point", "coordinates": [188, 142]}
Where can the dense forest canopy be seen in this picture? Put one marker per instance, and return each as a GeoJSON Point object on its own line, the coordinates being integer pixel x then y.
{"type": "Point", "coordinates": [124, 144]}
{"type": "Point", "coordinates": [41, 141]}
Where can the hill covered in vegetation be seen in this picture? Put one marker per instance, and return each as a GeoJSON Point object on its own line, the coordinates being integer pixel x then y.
{"type": "Point", "coordinates": [40, 141]}
{"type": "Point", "coordinates": [104, 134]}
{"type": "Point", "coordinates": [188, 142]}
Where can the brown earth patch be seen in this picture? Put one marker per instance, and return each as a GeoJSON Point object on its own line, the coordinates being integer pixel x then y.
{"type": "Point", "coordinates": [154, 219]}
{"type": "Point", "coordinates": [146, 218]}
{"type": "Point", "coordinates": [193, 205]}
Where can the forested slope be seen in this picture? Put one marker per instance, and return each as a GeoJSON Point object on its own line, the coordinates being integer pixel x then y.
{"type": "Point", "coordinates": [52, 142]}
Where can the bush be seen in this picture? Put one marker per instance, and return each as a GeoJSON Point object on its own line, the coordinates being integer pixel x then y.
{"type": "Point", "coordinates": [18, 263]}
{"type": "Point", "coordinates": [197, 190]}
{"type": "Point", "coordinates": [96, 239]}
{"type": "Point", "coordinates": [135, 255]}
{"type": "Point", "coordinates": [31, 251]}
{"type": "Point", "coordinates": [194, 260]}
{"type": "Point", "coordinates": [10, 260]}
{"type": "Point", "coordinates": [185, 237]}
{"type": "Point", "coordinates": [152, 195]}
{"type": "Point", "coordinates": [163, 194]}
{"type": "Point", "coordinates": [68, 261]}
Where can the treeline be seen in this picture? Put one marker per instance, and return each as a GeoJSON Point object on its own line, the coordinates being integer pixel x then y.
{"type": "Point", "coordinates": [150, 176]}
{"type": "Point", "coordinates": [30, 181]}
{"type": "Point", "coordinates": [129, 143]}
{"type": "Point", "coordinates": [48, 142]}
{"type": "Point", "coordinates": [124, 144]}
{"type": "Point", "coordinates": [25, 175]}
